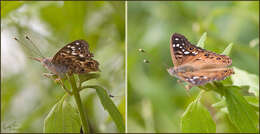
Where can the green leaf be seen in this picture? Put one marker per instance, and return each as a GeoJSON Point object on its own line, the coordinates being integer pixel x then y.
{"type": "Point", "coordinates": [220, 104]}
{"type": "Point", "coordinates": [202, 40]}
{"type": "Point", "coordinates": [253, 101]}
{"type": "Point", "coordinates": [197, 119]}
{"type": "Point", "coordinates": [121, 108]}
{"type": "Point", "coordinates": [242, 78]}
{"type": "Point", "coordinates": [110, 107]}
{"type": "Point", "coordinates": [241, 113]}
{"type": "Point", "coordinates": [228, 49]}
{"type": "Point", "coordinates": [62, 118]}
{"type": "Point", "coordinates": [86, 77]}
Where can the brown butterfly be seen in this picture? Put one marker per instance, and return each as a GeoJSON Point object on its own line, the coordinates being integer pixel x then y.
{"type": "Point", "coordinates": [195, 65]}
{"type": "Point", "coordinates": [74, 58]}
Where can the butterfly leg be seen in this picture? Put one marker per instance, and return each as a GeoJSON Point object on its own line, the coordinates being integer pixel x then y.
{"type": "Point", "coordinates": [187, 87]}
{"type": "Point", "coordinates": [48, 75]}
{"type": "Point", "coordinates": [52, 76]}
{"type": "Point", "coordinates": [57, 80]}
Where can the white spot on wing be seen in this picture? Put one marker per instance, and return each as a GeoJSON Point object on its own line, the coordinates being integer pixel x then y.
{"type": "Point", "coordinates": [186, 52]}
{"type": "Point", "coordinates": [176, 38]}
{"type": "Point", "coordinates": [77, 43]}
{"type": "Point", "coordinates": [177, 45]}
{"type": "Point", "coordinates": [195, 77]}
{"type": "Point", "coordinates": [173, 45]}
{"type": "Point", "coordinates": [74, 53]}
{"type": "Point", "coordinates": [195, 52]}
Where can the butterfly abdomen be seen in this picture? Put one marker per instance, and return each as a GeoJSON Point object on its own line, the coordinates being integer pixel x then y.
{"type": "Point", "coordinates": [55, 69]}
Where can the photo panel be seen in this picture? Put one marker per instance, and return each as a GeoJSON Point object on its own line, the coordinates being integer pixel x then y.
{"type": "Point", "coordinates": [211, 48]}
{"type": "Point", "coordinates": [62, 67]}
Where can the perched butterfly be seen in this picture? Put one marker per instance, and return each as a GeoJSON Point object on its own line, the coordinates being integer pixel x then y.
{"type": "Point", "coordinates": [74, 58]}
{"type": "Point", "coordinates": [195, 65]}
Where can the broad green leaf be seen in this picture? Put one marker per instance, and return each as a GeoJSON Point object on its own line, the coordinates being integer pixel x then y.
{"type": "Point", "coordinates": [110, 107]}
{"type": "Point", "coordinates": [62, 118]}
{"type": "Point", "coordinates": [242, 78]}
{"type": "Point", "coordinates": [220, 104]}
{"type": "Point", "coordinates": [202, 40]}
{"type": "Point", "coordinates": [253, 101]}
{"type": "Point", "coordinates": [241, 113]}
{"type": "Point", "coordinates": [121, 108]}
{"type": "Point", "coordinates": [86, 77]}
{"type": "Point", "coordinates": [228, 49]}
{"type": "Point", "coordinates": [197, 119]}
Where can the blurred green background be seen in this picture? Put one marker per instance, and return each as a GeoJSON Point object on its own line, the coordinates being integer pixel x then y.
{"type": "Point", "coordinates": [27, 96]}
{"type": "Point", "coordinates": [155, 100]}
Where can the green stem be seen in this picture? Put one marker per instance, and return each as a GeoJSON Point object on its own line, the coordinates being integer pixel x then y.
{"type": "Point", "coordinates": [76, 94]}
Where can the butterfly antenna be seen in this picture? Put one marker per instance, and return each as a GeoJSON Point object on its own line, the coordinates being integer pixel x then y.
{"type": "Point", "coordinates": [34, 46]}
{"type": "Point", "coordinates": [23, 44]}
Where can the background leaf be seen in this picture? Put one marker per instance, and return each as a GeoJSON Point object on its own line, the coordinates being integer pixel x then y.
{"type": "Point", "coordinates": [110, 107]}
{"type": "Point", "coordinates": [202, 40]}
{"type": "Point", "coordinates": [228, 49]}
{"type": "Point", "coordinates": [63, 118]}
{"type": "Point", "coordinates": [197, 119]}
{"type": "Point", "coordinates": [242, 78]}
{"type": "Point", "coordinates": [241, 113]}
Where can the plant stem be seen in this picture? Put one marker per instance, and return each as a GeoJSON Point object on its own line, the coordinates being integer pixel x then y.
{"type": "Point", "coordinates": [76, 95]}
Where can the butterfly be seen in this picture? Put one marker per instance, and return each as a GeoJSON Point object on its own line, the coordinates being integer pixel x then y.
{"type": "Point", "coordinates": [195, 65]}
{"type": "Point", "coordinates": [73, 58]}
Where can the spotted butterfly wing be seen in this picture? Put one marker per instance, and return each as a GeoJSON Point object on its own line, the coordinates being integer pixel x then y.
{"type": "Point", "coordinates": [186, 54]}
{"type": "Point", "coordinates": [75, 58]}
{"type": "Point", "coordinates": [195, 65]}
{"type": "Point", "coordinates": [202, 77]}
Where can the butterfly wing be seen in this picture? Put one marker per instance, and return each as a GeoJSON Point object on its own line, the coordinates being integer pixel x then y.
{"type": "Point", "coordinates": [75, 58]}
{"type": "Point", "coordinates": [185, 53]}
{"type": "Point", "coordinates": [202, 77]}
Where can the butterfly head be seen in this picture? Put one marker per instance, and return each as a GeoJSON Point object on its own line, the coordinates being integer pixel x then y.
{"type": "Point", "coordinates": [171, 71]}
{"type": "Point", "coordinates": [46, 62]}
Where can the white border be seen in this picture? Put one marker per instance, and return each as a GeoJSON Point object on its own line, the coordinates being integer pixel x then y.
{"type": "Point", "coordinates": [125, 66]}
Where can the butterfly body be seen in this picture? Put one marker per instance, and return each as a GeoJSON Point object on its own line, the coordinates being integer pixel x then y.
{"type": "Point", "coordinates": [72, 58]}
{"type": "Point", "coordinates": [195, 65]}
